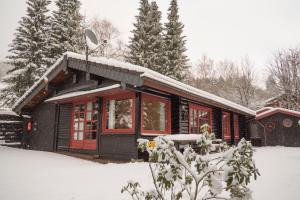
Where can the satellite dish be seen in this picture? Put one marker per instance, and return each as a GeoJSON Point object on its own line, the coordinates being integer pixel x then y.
{"type": "Point", "coordinates": [91, 39]}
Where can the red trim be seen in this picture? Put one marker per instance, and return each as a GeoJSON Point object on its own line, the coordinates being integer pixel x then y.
{"type": "Point", "coordinates": [226, 126]}
{"type": "Point", "coordinates": [84, 143]}
{"type": "Point", "coordinates": [236, 128]}
{"type": "Point", "coordinates": [128, 95]}
{"type": "Point", "coordinates": [200, 108]}
{"type": "Point", "coordinates": [167, 102]}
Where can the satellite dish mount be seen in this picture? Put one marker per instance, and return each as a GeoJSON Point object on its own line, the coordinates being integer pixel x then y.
{"type": "Point", "coordinates": [91, 45]}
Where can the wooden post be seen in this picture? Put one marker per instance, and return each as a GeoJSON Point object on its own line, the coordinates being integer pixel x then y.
{"type": "Point", "coordinates": [138, 115]}
{"type": "Point", "coordinates": [99, 122]}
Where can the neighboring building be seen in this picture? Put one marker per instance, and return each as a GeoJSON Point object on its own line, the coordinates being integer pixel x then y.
{"type": "Point", "coordinates": [275, 126]}
{"type": "Point", "coordinates": [11, 128]}
{"type": "Point", "coordinates": [103, 106]}
{"type": "Point", "coordinates": [280, 101]}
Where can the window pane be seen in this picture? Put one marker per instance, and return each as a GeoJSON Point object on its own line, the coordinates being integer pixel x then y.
{"type": "Point", "coordinates": [95, 106]}
{"type": "Point", "coordinates": [75, 136]}
{"type": "Point", "coordinates": [89, 106]}
{"type": "Point", "coordinates": [90, 135]}
{"type": "Point", "coordinates": [203, 118]}
{"type": "Point", "coordinates": [94, 125]}
{"type": "Point", "coordinates": [154, 114]}
{"type": "Point", "coordinates": [88, 116]}
{"type": "Point", "coordinates": [95, 115]}
{"type": "Point", "coordinates": [76, 109]}
{"type": "Point", "coordinates": [81, 124]}
{"type": "Point", "coordinates": [81, 116]}
{"type": "Point", "coordinates": [80, 135]}
{"type": "Point", "coordinates": [81, 107]}
{"type": "Point", "coordinates": [75, 126]}
{"type": "Point", "coordinates": [88, 126]}
{"type": "Point", "coordinates": [119, 114]}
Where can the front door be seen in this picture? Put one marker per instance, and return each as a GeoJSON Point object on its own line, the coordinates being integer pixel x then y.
{"type": "Point", "coordinates": [84, 129]}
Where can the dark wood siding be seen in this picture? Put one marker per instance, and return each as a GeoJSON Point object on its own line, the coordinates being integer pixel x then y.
{"type": "Point", "coordinates": [217, 122]}
{"type": "Point", "coordinates": [243, 127]}
{"type": "Point", "coordinates": [64, 126]}
{"type": "Point", "coordinates": [281, 135]}
{"type": "Point", "coordinates": [118, 146]}
{"type": "Point", "coordinates": [42, 136]}
{"type": "Point", "coordinates": [175, 114]}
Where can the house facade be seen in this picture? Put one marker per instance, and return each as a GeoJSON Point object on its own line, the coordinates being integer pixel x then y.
{"type": "Point", "coordinates": [102, 106]}
{"type": "Point", "coordinates": [275, 126]}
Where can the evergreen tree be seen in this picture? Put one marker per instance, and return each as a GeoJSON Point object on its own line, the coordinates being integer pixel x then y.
{"type": "Point", "coordinates": [67, 32]}
{"type": "Point", "coordinates": [29, 51]}
{"type": "Point", "coordinates": [138, 45]}
{"type": "Point", "coordinates": [155, 43]}
{"type": "Point", "coordinates": [175, 45]}
{"type": "Point", "coordinates": [146, 45]}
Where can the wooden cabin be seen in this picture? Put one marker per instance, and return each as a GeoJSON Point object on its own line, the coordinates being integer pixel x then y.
{"type": "Point", "coordinates": [102, 106]}
{"type": "Point", "coordinates": [11, 128]}
{"type": "Point", "coordinates": [275, 126]}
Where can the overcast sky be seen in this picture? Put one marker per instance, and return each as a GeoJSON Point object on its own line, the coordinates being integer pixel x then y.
{"type": "Point", "coordinates": [218, 28]}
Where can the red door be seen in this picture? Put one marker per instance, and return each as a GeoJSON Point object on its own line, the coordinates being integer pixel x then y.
{"type": "Point", "coordinates": [226, 126]}
{"type": "Point", "coordinates": [84, 125]}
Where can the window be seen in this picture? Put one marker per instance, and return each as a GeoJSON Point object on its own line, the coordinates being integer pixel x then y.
{"type": "Point", "coordinates": [226, 126]}
{"type": "Point", "coordinates": [155, 115]}
{"type": "Point", "coordinates": [236, 128]}
{"type": "Point", "coordinates": [85, 118]}
{"type": "Point", "coordinates": [119, 113]}
{"type": "Point", "coordinates": [199, 116]}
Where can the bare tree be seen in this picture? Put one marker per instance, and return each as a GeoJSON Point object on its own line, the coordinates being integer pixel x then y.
{"type": "Point", "coordinates": [230, 80]}
{"type": "Point", "coordinates": [285, 71]}
{"type": "Point", "coordinates": [110, 38]}
{"type": "Point", "coordinates": [244, 82]}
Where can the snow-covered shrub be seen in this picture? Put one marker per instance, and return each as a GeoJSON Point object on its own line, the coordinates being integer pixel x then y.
{"type": "Point", "coordinates": [193, 176]}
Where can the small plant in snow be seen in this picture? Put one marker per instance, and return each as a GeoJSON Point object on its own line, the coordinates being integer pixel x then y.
{"type": "Point", "coordinates": [189, 175]}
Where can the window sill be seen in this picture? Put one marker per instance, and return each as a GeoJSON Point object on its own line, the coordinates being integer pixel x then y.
{"type": "Point", "coordinates": [155, 134]}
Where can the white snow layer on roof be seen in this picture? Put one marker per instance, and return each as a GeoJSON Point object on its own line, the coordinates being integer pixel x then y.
{"type": "Point", "coordinates": [38, 82]}
{"type": "Point", "coordinates": [7, 112]}
{"type": "Point", "coordinates": [148, 74]}
{"type": "Point", "coordinates": [277, 109]}
{"type": "Point", "coordinates": [183, 137]}
{"type": "Point", "coordinates": [81, 93]}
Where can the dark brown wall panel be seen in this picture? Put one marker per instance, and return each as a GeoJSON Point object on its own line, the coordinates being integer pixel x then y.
{"type": "Point", "coordinates": [281, 135]}
{"type": "Point", "coordinates": [64, 126]}
{"type": "Point", "coordinates": [118, 146]}
{"type": "Point", "coordinates": [42, 136]}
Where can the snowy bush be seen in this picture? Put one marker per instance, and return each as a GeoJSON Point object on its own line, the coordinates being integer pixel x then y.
{"type": "Point", "coordinates": [189, 175]}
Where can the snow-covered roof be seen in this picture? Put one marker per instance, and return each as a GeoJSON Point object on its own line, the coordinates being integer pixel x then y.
{"type": "Point", "coordinates": [83, 93]}
{"type": "Point", "coordinates": [183, 137]}
{"type": "Point", "coordinates": [10, 122]}
{"type": "Point", "coordinates": [148, 74]}
{"type": "Point", "coordinates": [267, 111]}
{"type": "Point", "coordinates": [44, 77]}
{"type": "Point", "coordinates": [7, 112]}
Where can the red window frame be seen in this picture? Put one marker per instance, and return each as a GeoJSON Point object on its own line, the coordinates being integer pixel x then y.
{"type": "Point", "coordinates": [122, 96]}
{"type": "Point", "coordinates": [84, 143]}
{"type": "Point", "coordinates": [197, 108]}
{"type": "Point", "coordinates": [236, 128]}
{"type": "Point", "coordinates": [226, 129]}
{"type": "Point", "coordinates": [146, 97]}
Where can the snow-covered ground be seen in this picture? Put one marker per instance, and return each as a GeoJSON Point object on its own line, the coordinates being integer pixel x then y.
{"type": "Point", "coordinates": [38, 175]}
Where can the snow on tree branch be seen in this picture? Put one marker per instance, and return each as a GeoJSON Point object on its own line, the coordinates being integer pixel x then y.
{"type": "Point", "coordinates": [189, 175]}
